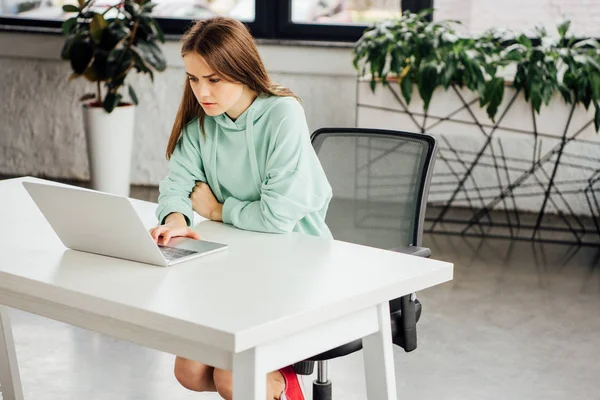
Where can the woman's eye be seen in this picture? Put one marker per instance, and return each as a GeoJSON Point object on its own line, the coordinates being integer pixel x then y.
{"type": "Point", "coordinates": [192, 79]}
{"type": "Point", "coordinates": [214, 80]}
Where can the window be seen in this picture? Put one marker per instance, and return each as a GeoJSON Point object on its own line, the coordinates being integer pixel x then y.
{"type": "Point", "coordinates": [191, 9]}
{"type": "Point", "coordinates": [344, 11]}
{"type": "Point", "coordinates": [522, 16]}
{"type": "Point", "coordinates": [332, 20]}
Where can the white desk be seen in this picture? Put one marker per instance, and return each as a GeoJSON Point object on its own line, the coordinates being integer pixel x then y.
{"type": "Point", "coordinates": [266, 302]}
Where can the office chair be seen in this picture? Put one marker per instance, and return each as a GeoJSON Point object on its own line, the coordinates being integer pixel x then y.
{"type": "Point", "coordinates": [380, 182]}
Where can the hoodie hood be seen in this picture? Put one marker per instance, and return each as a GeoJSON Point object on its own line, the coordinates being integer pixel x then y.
{"type": "Point", "coordinates": [259, 106]}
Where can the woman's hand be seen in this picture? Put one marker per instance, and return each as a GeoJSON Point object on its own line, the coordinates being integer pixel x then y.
{"type": "Point", "coordinates": [205, 203]}
{"type": "Point", "coordinates": [174, 226]}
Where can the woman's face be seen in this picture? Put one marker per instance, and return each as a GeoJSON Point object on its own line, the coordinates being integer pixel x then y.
{"type": "Point", "coordinates": [215, 94]}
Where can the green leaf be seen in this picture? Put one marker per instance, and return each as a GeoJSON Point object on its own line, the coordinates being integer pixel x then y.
{"type": "Point", "coordinates": [70, 8]}
{"type": "Point", "coordinates": [100, 65]}
{"type": "Point", "coordinates": [566, 93]}
{"type": "Point", "coordinates": [585, 59]}
{"type": "Point", "coordinates": [118, 63]}
{"type": "Point", "coordinates": [111, 101]}
{"type": "Point", "coordinates": [597, 116]}
{"type": "Point", "coordinates": [140, 64]}
{"type": "Point", "coordinates": [448, 75]}
{"type": "Point", "coordinates": [373, 84]}
{"type": "Point", "coordinates": [133, 96]}
{"type": "Point", "coordinates": [66, 49]}
{"type": "Point", "coordinates": [426, 82]}
{"type": "Point", "coordinates": [159, 32]}
{"type": "Point", "coordinates": [406, 86]}
{"type": "Point", "coordinates": [547, 91]}
{"type": "Point", "coordinates": [587, 42]}
{"type": "Point", "coordinates": [90, 74]}
{"type": "Point", "coordinates": [524, 41]}
{"type": "Point", "coordinates": [81, 53]}
{"type": "Point", "coordinates": [536, 101]}
{"type": "Point", "coordinates": [152, 54]}
{"type": "Point", "coordinates": [148, 7]}
{"type": "Point", "coordinates": [68, 25]}
{"type": "Point", "coordinates": [563, 28]}
{"type": "Point", "coordinates": [595, 85]}
{"type": "Point", "coordinates": [132, 9]}
{"type": "Point", "coordinates": [87, 96]}
{"type": "Point", "coordinates": [494, 92]}
{"type": "Point", "coordinates": [97, 25]}
{"type": "Point", "coordinates": [111, 36]}
{"type": "Point", "coordinates": [586, 96]}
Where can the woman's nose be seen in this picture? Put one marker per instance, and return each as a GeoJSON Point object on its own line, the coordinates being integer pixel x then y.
{"type": "Point", "coordinates": [203, 90]}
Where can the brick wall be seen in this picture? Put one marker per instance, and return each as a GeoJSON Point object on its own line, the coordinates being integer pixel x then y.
{"type": "Point", "coordinates": [521, 15]}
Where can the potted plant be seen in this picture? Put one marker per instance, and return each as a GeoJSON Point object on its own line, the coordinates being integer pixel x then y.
{"type": "Point", "coordinates": [103, 46]}
{"type": "Point", "coordinates": [511, 113]}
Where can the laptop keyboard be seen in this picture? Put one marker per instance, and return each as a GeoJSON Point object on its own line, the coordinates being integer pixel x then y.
{"type": "Point", "coordinates": [172, 253]}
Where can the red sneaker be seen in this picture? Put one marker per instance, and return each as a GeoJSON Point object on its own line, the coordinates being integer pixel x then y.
{"type": "Point", "coordinates": [293, 387]}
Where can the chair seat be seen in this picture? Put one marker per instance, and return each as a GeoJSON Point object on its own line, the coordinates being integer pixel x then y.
{"type": "Point", "coordinates": [397, 337]}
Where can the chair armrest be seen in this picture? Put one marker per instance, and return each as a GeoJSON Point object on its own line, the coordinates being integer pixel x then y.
{"type": "Point", "coordinates": [414, 251]}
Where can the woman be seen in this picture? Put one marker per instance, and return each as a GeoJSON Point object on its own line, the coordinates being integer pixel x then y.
{"type": "Point", "coordinates": [239, 153]}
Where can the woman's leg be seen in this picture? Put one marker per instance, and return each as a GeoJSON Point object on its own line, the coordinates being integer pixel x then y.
{"type": "Point", "coordinates": [224, 383]}
{"type": "Point", "coordinates": [194, 375]}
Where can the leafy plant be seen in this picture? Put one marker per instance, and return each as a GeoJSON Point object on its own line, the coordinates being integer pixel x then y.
{"type": "Point", "coordinates": [561, 64]}
{"type": "Point", "coordinates": [105, 49]}
{"type": "Point", "coordinates": [414, 51]}
{"type": "Point", "coordinates": [429, 54]}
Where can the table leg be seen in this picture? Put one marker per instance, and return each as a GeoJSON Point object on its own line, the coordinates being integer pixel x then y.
{"type": "Point", "coordinates": [379, 358]}
{"type": "Point", "coordinates": [10, 382]}
{"type": "Point", "coordinates": [249, 379]}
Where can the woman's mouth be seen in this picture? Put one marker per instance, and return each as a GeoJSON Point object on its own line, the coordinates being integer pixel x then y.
{"type": "Point", "coordinates": [208, 105]}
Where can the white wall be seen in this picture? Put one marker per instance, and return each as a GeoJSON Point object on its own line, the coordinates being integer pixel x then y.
{"type": "Point", "coordinates": [41, 128]}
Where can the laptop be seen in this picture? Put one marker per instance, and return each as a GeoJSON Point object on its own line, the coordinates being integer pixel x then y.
{"type": "Point", "coordinates": [107, 224]}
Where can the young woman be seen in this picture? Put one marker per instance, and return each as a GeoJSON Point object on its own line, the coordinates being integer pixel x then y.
{"type": "Point", "coordinates": [239, 153]}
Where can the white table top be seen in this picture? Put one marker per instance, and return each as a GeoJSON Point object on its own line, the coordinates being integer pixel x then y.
{"type": "Point", "coordinates": [262, 287]}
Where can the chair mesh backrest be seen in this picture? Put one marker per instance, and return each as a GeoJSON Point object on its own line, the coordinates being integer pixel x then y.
{"type": "Point", "coordinates": [377, 182]}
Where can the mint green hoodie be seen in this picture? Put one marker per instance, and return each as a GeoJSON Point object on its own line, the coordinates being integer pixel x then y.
{"type": "Point", "coordinates": [262, 168]}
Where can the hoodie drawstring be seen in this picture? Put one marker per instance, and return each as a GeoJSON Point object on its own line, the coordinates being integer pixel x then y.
{"type": "Point", "coordinates": [252, 150]}
{"type": "Point", "coordinates": [213, 164]}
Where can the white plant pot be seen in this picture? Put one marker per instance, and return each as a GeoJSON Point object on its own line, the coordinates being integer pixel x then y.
{"type": "Point", "coordinates": [109, 143]}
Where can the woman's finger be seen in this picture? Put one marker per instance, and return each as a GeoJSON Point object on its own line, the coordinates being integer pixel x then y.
{"type": "Point", "coordinates": [168, 233]}
{"type": "Point", "coordinates": [154, 233]}
{"type": "Point", "coordinates": [174, 232]}
{"type": "Point", "coordinates": [193, 234]}
{"type": "Point", "coordinates": [167, 236]}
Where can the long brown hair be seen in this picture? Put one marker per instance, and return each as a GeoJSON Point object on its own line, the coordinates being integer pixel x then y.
{"type": "Point", "coordinates": [228, 48]}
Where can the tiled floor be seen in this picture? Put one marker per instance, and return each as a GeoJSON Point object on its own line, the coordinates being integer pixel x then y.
{"type": "Point", "coordinates": [519, 321]}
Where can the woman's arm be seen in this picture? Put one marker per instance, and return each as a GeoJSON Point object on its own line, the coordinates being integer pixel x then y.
{"type": "Point", "coordinates": [185, 169]}
{"type": "Point", "coordinates": [295, 183]}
